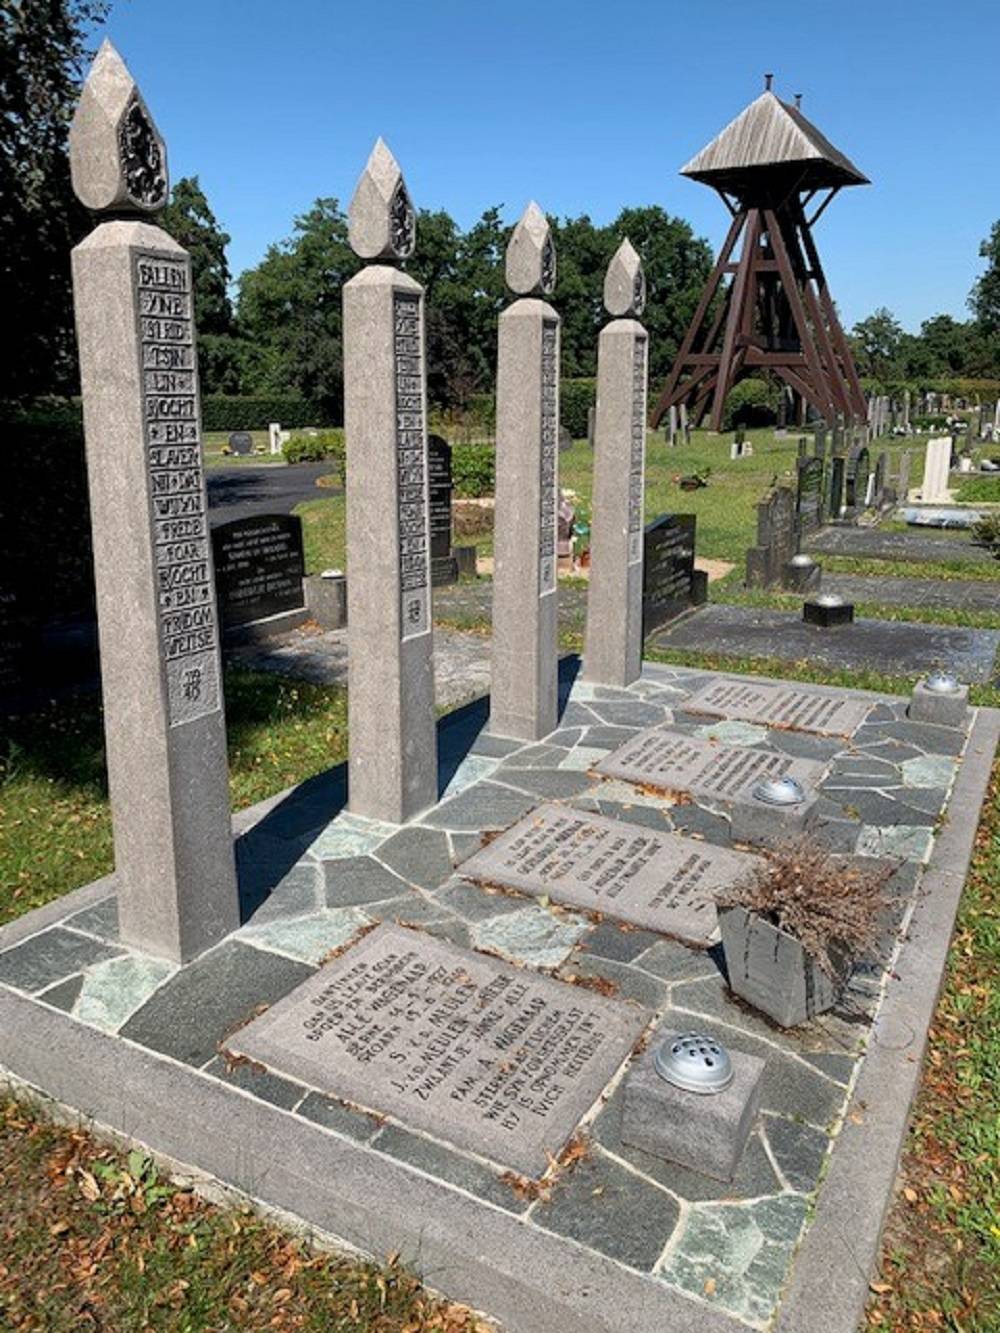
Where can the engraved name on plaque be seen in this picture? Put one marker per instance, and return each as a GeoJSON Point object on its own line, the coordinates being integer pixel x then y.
{"type": "Point", "coordinates": [171, 421]}
{"type": "Point", "coordinates": [637, 459]}
{"type": "Point", "coordinates": [549, 498]}
{"type": "Point", "coordinates": [411, 462]}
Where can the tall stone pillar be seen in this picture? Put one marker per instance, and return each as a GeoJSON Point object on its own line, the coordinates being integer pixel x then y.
{"type": "Point", "coordinates": [613, 644]}
{"type": "Point", "coordinates": [524, 690]}
{"type": "Point", "coordinates": [159, 629]}
{"type": "Point", "coordinates": [390, 682]}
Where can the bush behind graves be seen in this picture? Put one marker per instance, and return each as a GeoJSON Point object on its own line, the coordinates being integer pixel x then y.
{"type": "Point", "coordinates": [751, 402]}
{"type": "Point", "coordinates": [227, 413]}
{"type": "Point", "coordinates": [473, 470]}
{"type": "Point", "coordinates": [576, 397]}
{"type": "Point", "coordinates": [987, 531]}
{"type": "Point", "coordinates": [314, 446]}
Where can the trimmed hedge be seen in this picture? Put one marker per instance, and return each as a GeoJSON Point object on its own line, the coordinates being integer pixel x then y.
{"type": "Point", "coordinates": [243, 413]}
{"type": "Point", "coordinates": [575, 398]}
{"type": "Point", "coordinates": [473, 470]}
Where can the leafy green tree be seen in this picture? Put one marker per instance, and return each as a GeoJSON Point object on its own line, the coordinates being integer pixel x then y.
{"type": "Point", "coordinates": [877, 343]}
{"type": "Point", "coordinates": [985, 296]}
{"type": "Point", "coordinates": [43, 49]}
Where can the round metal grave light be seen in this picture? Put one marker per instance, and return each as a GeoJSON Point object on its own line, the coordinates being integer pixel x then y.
{"type": "Point", "coordinates": [694, 1062]}
{"type": "Point", "coordinates": [780, 791]}
{"type": "Point", "coordinates": [801, 561]}
{"type": "Point", "coordinates": [943, 682]}
{"type": "Point", "coordinates": [829, 599]}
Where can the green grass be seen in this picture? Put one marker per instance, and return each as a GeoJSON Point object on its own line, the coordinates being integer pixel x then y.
{"type": "Point", "coordinates": [55, 823]}
{"type": "Point", "coordinates": [215, 440]}
{"type": "Point", "coordinates": [976, 490]}
{"type": "Point", "coordinates": [976, 570]}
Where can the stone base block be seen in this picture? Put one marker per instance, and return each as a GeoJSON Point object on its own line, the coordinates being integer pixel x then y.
{"type": "Point", "coordinates": [465, 559]}
{"type": "Point", "coordinates": [444, 571]}
{"type": "Point", "coordinates": [705, 1132]}
{"type": "Point", "coordinates": [699, 587]}
{"type": "Point", "coordinates": [770, 970]}
{"type": "Point", "coordinates": [326, 598]}
{"type": "Point", "coordinates": [754, 821]}
{"type": "Point", "coordinates": [814, 613]}
{"type": "Point", "coordinates": [946, 710]}
{"type": "Point", "coordinates": [801, 578]}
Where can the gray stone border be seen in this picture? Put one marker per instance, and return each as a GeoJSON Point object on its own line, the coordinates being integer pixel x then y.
{"type": "Point", "coordinates": [830, 1276]}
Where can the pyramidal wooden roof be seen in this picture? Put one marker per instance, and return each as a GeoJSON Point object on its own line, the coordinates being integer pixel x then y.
{"type": "Point", "coordinates": [772, 136]}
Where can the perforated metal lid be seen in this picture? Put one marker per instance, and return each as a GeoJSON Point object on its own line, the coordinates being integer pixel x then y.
{"type": "Point", "coordinates": [829, 599]}
{"type": "Point", "coordinates": [943, 682]}
{"type": "Point", "coordinates": [694, 1062]}
{"type": "Point", "coordinates": [780, 791]}
{"type": "Point", "coordinates": [800, 560]}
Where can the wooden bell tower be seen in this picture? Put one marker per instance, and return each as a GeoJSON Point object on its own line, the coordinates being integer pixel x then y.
{"type": "Point", "coordinates": [770, 166]}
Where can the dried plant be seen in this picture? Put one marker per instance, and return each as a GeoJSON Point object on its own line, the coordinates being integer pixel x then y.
{"type": "Point", "coordinates": [831, 907]}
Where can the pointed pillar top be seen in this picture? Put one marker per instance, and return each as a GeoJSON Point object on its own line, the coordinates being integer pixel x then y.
{"type": "Point", "coordinates": [117, 158]}
{"type": "Point", "coordinates": [625, 283]}
{"type": "Point", "coordinates": [381, 221]}
{"type": "Point", "coordinates": [531, 255]}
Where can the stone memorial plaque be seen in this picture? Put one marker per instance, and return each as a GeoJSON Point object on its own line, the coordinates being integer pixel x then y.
{"type": "Point", "coordinates": [413, 498]}
{"type": "Point", "coordinates": [667, 570]}
{"type": "Point", "coordinates": [637, 452]}
{"type": "Point", "coordinates": [439, 471]}
{"type": "Point", "coordinates": [809, 496]}
{"type": "Point", "coordinates": [782, 706]}
{"type": "Point", "coordinates": [660, 881]}
{"type": "Point", "coordinates": [241, 442]}
{"type": "Point", "coordinates": [549, 468]}
{"type": "Point", "coordinates": [259, 567]}
{"type": "Point", "coordinates": [674, 762]}
{"type": "Point", "coordinates": [188, 623]}
{"type": "Point", "coordinates": [486, 1056]}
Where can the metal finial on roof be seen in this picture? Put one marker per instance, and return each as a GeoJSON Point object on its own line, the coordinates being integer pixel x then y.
{"type": "Point", "coordinates": [768, 80]}
{"type": "Point", "coordinates": [798, 101]}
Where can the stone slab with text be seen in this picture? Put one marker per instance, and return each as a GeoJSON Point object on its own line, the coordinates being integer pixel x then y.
{"type": "Point", "coordinates": [486, 1056]}
{"type": "Point", "coordinates": [660, 881]}
{"type": "Point", "coordinates": [782, 706]}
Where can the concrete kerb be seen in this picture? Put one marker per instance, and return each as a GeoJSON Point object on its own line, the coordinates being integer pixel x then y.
{"type": "Point", "coordinates": [830, 1279]}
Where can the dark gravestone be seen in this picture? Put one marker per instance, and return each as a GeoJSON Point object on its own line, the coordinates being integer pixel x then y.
{"type": "Point", "coordinates": [776, 539]}
{"type": "Point", "coordinates": [670, 582]}
{"type": "Point", "coordinates": [835, 492]}
{"type": "Point", "coordinates": [444, 567]}
{"type": "Point", "coordinates": [879, 495]}
{"type": "Point", "coordinates": [858, 469]}
{"type": "Point", "coordinates": [241, 442]}
{"type": "Point", "coordinates": [809, 495]}
{"type": "Point", "coordinates": [259, 567]}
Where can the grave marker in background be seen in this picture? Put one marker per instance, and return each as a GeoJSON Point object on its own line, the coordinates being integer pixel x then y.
{"type": "Point", "coordinates": [809, 495]}
{"type": "Point", "coordinates": [670, 582]}
{"type": "Point", "coordinates": [612, 652]}
{"type": "Point", "coordinates": [241, 443]}
{"type": "Point", "coordinates": [157, 616]}
{"type": "Point", "coordinates": [390, 694]}
{"type": "Point", "coordinates": [444, 566]}
{"type": "Point", "coordinates": [259, 567]}
{"type": "Point", "coordinates": [523, 696]}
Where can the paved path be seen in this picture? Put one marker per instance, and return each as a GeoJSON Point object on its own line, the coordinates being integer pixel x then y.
{"type": "Point", "coordinates": [239, 492]}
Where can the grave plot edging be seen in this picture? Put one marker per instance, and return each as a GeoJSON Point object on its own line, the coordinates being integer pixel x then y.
{"type": "Point", "coordinates": [528, 1279]}
{"type": "Point", "coordinates": [829, 1287]}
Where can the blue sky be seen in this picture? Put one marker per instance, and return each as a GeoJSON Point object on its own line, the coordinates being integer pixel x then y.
{"type": "Point", "coordinates": [587, 108]}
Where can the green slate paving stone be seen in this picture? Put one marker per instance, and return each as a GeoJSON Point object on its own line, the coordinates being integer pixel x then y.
{"type": "Point", "coordinates": [474, 903]}
{"type": "Point", "coordinates": [63, 994]}
{"type": "Point", "coordinates": [754, 1174]}
{"type": "Point", "coordinates": [651, 816]}
{"type": "Point", "coordinates": [258, 1082]}
{"type": "Point", "coordinates": [799, 1150]}
{"type": "Point", "coordinates": [871, 807]}
{"type": "Point", "coordinates": [839, 1067]}
{"type": "Point", "coordinates": [112, 991]}
{"type": "Point", "coordinates": [295, 894]}
{"type": "Point", "coordinates": [609, 940]}
{"type": "Point", "coordinates": [410, 909]}
{"type": "Point", "coordinates": [436, 1160]}
{"type": "Point", "coordinates": [732, 733]}
{"type": "Point", "coordinates": [892, 752]}
{"type": "Point", "coordinates": [531, 936]}
{"type": "Point", "coordinates": [453, 930]}
{"type": "Point", "coordinates": [49, 957]}
{"type": "Point", "coordinates": [463, 845]}
{"type": "Point", "coordinates": [922, 736]}
{"type": "Point", "coordinates": [611, 1210]}
{"type": "Point", "coordinates": [308, 938]}
{"type": "Point", "coordinates": [566, 737]}
{"type": "Point", "coordinates": [484, 806]}
{"type": "Point", "coordinates": [196, 1009]}
{"type": "Point", "coordinates": [494, 747]}
{"type": "Point", "coordinates": [673, 962]}
{"type": "Point", "coordinates": [629, 982]}
{"type": "Point", "coordinates": [578, 715]}
{"type": "Point", "coordinates": [421, 856]}
{"type": "Point", "coordinates": [351, 835]}
{"type": "Point", "coordinates": [534, 756]}
{"type": "Point", "coordinates": [910, 843]}
{"type": "Point", "coordinates": [607, 738]}
{"type": "Point", "coordinates": [101, 919]}
{"type": "Point", "coordinates": [800, 745]}
{"type": "Point", "coordinates": [582, 759]}
{"type": "Point", "coordinates": [932, 770]}
{"type": "Point", "coordinates": [628, 713]}
{"type": "Point", "coordinates": [694, 820]}
{"type": "Point", "coordinates": [353, 881]}
{"type": "Point", "coordinates": [552, 783]}
{"type": "Point", "coordinates": [745, 1249]}
{"type": "Point", "coordinates": [473, 768]}
{"type": "Point", "coordinates": [331, 1114]}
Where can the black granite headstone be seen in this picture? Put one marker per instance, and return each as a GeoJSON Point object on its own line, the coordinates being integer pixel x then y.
{"type": "Point", "coordinates": [809, 494]}
{"type": "Point", "coordinates": [858, 468]}
{"type": "Point", "coordinates": [259, 566]}
{"type": "Point", "coordinates": [670, 582]}
{"type": "Point", "coordinates": [444, 568]}
{"type": "Point", "coordinates": [241, 442]}
{"type": "Point", "coordinates": [835, 492]}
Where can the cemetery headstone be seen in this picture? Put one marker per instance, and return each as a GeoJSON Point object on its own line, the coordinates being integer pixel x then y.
{"type": "Point", "coordinates": [856, 478]}
{"type": "Point", "coordinates": [937, 464]}
{"type": "Point", "coordinates": [165, 729]}
{"type": "Point", "coordinates": [274, 437]}
{"type": "Point", "coordinates": [523, 697]}
{"type": "Point", "coordinates": [880, 481]}
{"type": "Point", "coordinates": [672, 426]}
{"type": "Point", "coordinates": [809, 495]}
{"type": "Point", "coordinates": [390, 694]}
{"type": "Point", "coordinates": [241, 443]}
{"type": "Point", "coordinates": [613, 642]}
{"type": "Point", "coordinates": [657, 880]}
{"type": "Point", "coordinates": [565, 523]}
{"type": "Point", "coordinates": [835, 491]}
{"type": "Point", "coordinates": [670, 582]}
{"type": "Point", "coordinates": [565, 440]}
{"type": "Point", "coordinates": [444, 566]}
{"type": "Point", "coordinates": [776, 539]}
{"type": "Point", "coordinates": [259, 567]}
{"type": "Point", "coordinates": [903, 475]}
{"type": "Point", "coordinates": [488, 1057]}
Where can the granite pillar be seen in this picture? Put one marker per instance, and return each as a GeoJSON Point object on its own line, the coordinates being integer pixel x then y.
{"type": "Point", "coordinates": [524, 690]}
{"type": "Point", "coordinates": [390, 682]}
{"type": "Point", "coordinates": [613, 644]}
{"type": "Point", "coordinates": [158, 622]}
